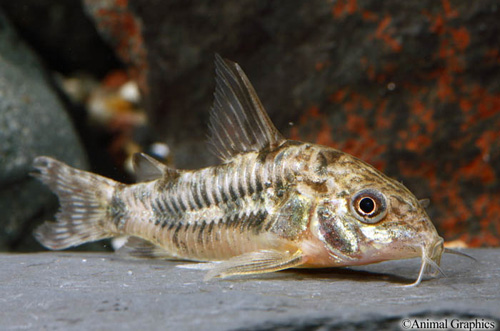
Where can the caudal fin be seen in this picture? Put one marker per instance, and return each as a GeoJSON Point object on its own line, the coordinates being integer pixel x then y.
{"type": "Point", "coordinates": [84, 198]}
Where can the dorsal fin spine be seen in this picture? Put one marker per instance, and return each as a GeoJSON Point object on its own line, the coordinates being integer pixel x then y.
{"type": "Point", "coordinates": [239, 96]}
{"type": "Point", "coordinates": [228, 86]}
{"type": "Point", "coordinates": [257, 104]}
{"type": "Point", "coordinates": [238, 121]}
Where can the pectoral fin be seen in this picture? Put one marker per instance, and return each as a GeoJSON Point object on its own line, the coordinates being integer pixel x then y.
{"type": "Point", "coordinates": [256, 263]}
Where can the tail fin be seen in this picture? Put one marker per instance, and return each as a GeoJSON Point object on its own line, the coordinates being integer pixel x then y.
{"type": "Point", "coordinates": [84, 199]}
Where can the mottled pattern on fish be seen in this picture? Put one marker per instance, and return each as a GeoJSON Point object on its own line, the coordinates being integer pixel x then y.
{"type": "Point", "coordinates": [217, 212]}
{"type": "Point", "coordinates": [272, 204]}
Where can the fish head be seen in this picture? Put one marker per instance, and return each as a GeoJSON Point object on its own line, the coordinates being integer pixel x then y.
{"type": "Point", "coordinates": [366, 217]}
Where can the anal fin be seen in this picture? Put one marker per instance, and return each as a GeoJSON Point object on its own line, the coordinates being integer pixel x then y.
{"type": "Point", "coordinates": [258, 262]}
{"type": "Point", "coordinates": [136, 247]}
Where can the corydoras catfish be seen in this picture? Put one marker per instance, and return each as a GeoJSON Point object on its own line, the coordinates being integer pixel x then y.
{"type": "Point", "coordinates": [271, 204]}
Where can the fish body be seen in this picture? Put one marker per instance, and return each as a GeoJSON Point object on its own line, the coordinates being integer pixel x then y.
{"type": "Point", "coordinates": [271, 204]}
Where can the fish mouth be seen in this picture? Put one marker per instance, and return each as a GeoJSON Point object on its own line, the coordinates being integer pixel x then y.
{"type": "Point", "coordinates": [430, 259]}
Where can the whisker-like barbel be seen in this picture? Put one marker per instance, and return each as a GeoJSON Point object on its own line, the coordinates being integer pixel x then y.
{"type": "Point", "coordinates": [434, 265]}
{"type": "Point", "coordinates": [426, 262]}
{"type": "Point", "coordinates": [454, 252]}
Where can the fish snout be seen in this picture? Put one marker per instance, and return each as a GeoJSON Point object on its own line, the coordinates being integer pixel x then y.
{"type": "Point", "coordinates": [429, 241]}
{"type": "Point", "coordinates": [437, 250]}
{"type": "Point", "coordinates": [434, 250]}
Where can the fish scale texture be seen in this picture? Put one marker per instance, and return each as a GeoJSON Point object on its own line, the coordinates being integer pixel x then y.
{"type": "Point", "coordinates": [410, 87]}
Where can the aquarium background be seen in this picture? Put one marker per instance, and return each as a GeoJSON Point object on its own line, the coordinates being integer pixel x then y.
{"type": "Point", "coordinates": [412, 87]}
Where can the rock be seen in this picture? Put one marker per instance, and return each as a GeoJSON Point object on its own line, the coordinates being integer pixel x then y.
{"type": "Point", "coordinates": [98, 291]}
{"type": "Point", "coordinates": [410, 87]}
{"type": "Point", "coordinates": [62, 35]}
{"type": "Point", "coordinates": [32, 122]}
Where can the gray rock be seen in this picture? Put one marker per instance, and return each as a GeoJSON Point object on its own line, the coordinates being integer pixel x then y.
{"type": "Point", "coordinates": [61, 34]}
{"type": "Point", "coordinates": [32, 122]}
{"type": "Point", "coordinates": [99, 291]}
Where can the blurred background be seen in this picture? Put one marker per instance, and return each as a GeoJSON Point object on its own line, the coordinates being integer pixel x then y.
{"type": "Point", "coordinates": [412, 87]}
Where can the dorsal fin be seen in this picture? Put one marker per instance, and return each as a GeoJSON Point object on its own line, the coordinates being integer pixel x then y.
{"type": "Point", "coordinates": [238, 121]}
{"type": "Point", "coordinates": [147, 168]}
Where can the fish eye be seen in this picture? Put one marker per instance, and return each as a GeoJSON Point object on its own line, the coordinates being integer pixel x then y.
{"type": "Point", "coordinates": [369, 206]}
